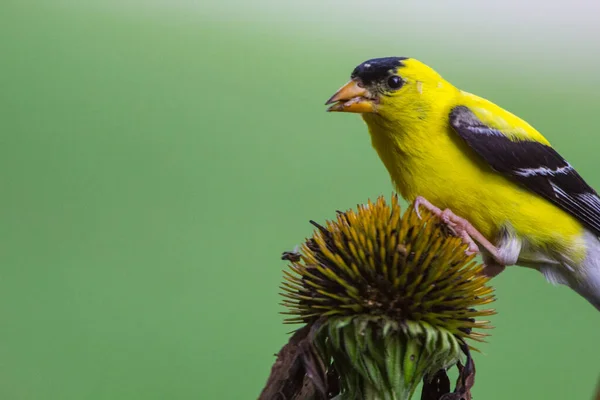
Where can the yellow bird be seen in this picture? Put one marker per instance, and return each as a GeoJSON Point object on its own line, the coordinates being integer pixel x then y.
{"type": "Point", "coordinates": [490, 175]}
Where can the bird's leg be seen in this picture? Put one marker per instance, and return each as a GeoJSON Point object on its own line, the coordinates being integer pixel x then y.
{"type": "Point", "coordinates": [494, 262]}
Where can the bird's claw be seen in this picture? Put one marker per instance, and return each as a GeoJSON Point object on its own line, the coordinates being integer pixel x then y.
{"type": "Point", "coordinates": [463, 229]}
{"type": "Point", "coordinates": [422, 201]}
{"type": "Point", "coordinates": [457, 225]}
{"type": "Point", "coordinates": [416, 205]}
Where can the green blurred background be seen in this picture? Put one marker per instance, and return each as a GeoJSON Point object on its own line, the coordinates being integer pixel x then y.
{"type": "Point", "coordinates": [156, 157]}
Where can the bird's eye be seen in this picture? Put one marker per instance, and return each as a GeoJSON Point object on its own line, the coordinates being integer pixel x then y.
{"type": "Point", "coordinates": [394, 82]}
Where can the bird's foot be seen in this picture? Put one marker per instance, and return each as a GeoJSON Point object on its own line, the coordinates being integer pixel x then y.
{"type": "Point", "coordinates": [458, 226]}
{"type": "Point", "coordinates": [461, 228]}
{"type": "Point", "coordinates": [470, 236]}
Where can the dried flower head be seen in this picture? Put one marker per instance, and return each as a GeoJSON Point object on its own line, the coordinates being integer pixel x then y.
{"type": "Point", "coordinates": [393, 296]}
{"type": "Point", "coordinates": [378, 262]}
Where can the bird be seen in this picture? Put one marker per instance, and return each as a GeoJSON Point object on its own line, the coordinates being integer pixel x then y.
{"type": "Point", "coordinates": [492, 177]}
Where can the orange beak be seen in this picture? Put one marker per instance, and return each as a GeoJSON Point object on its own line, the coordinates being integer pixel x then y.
{"type": "Point", "coordinates": [352, 98]}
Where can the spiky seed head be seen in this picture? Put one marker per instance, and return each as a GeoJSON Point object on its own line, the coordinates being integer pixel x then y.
{"type": "Point", "coordinates": [389, 299]}
{"type": "Point", "coordinates": [378, 262]}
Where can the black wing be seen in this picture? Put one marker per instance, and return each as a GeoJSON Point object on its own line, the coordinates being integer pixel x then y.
{"type": "Point", "coordinates": [532, 164]}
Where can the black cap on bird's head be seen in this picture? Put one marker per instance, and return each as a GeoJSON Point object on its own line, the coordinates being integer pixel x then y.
{"type": "Point", "coordinates": [368, 81]}
{"type": "Point", "coordinates": [376, 69]}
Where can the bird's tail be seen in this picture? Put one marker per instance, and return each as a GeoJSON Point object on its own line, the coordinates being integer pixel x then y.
{"type": "Point", "coordinates": [589, 276]}
{"type": "Point", "coordinates": [583, 278]}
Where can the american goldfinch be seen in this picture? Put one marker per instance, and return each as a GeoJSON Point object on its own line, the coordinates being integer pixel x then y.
{"type": "Point", "coordinates": [490, 175]}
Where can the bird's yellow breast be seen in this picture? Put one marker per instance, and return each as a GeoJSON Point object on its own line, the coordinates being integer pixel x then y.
{"type": "Point", "coordinates": [425, 157]}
